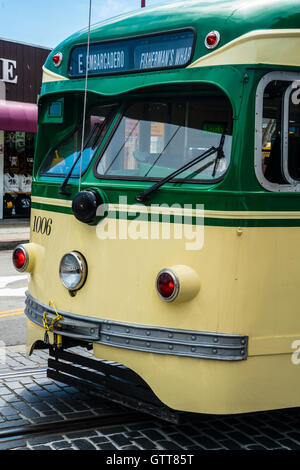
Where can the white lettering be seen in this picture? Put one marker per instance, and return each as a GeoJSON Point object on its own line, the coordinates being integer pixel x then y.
{"type": "Point", "coordinates": [80, 63]}
{"type": "Point", "coordinates": [104, 61]}
{"type": "Point", "coordinates": [8, 71]}
{"type": "Point", "coordinates": [296, 93]}
{"type": "Point", "coordinates": [165, 58]}
{"type": "Point", "coordinates": [156, 222]}
{"type": "Point", "coordinates": [120, 460]}
{"type": "Point", "coordinates": [296, 355]}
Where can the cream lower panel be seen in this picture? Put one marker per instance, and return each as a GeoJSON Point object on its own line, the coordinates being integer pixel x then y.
{"type": "Point", "coordinates": [214, 387]}
{"type": "Point", "coordinates": [34, 333]}
{"type": "Point", "coordinates": [249, 280]}
{"type": "Point", "coordinates": [207, 386]}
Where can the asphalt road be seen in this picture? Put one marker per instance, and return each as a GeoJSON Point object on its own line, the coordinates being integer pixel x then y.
{"type": "Point", "coordinates": [12, 296]}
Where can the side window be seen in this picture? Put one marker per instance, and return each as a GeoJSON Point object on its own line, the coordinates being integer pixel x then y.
{"type": "Point", "coordinates": [292, 135]}
{"type": "Point", "coordinates": [272, 131]}
{"type": "Point", "coordinates": [277, 161]}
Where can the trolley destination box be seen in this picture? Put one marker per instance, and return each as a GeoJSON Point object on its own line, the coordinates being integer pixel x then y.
{"type": "Point", "coordinates": [160, 51]}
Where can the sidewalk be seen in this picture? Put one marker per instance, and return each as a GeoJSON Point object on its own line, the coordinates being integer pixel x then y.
{"type": "Point", "coordinates": [13, 232]}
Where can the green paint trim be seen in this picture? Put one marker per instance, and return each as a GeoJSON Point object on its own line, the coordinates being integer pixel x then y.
{"type": "Point", "coordinates": [188, 219]}
{"type": "Point", "coordinates": [50, 208]}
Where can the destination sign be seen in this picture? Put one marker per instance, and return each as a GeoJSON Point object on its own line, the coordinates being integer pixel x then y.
{"type": "Point", "coordinates": [165, 50]}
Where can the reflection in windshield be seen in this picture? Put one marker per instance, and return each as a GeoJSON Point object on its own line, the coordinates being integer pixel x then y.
{"type": "Point", "coordinates": [155, 138]}
{"type": "Point", "coordinates": [60, 159]}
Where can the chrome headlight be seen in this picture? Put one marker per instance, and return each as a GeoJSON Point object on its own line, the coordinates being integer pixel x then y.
{"type": "Point", "coordinates": [73, 270]}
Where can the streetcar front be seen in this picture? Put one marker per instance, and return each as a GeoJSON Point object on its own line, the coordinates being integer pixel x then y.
{"type": "Point", "coordinates": [142, 247]}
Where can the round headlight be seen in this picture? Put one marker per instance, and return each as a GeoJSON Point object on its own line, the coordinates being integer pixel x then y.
{"type": "Point", "coordinates": [73, 270]}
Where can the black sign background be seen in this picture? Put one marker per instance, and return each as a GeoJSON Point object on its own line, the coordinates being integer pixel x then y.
{"type": "Point", "coordinates": [30, 60]}
{"type": "Point", "coordinates": [157, 51]}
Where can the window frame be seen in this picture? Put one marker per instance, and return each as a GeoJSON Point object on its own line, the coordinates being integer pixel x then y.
{"type": "Point", "coordinates": [110, 118]}
{"type": "Point", "coordinates": [291, 185]}
{"type": "Point", "coordinates": [121, 111]}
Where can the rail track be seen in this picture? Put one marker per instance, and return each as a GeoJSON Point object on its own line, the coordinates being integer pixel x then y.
{"type": "Point", "coordinates": [25, 432]}
{"type": "Point", "coordinates": [19, 373]}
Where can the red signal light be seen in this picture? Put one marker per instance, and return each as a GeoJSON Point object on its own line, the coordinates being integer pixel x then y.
{"type": "Point", "coordinates": [167, 285]}
{"type": "Point", "coordinates": [20, 259]}
{"type": "Point", "coordinates": [57, 59]}
{"type": "Point", "coordinates": [212, 39]}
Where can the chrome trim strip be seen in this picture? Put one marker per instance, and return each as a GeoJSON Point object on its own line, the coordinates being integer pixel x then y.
{"type": "Point", "coordinates": [72, 326]}
{"type": "Point", "coordinates": [159, 340]}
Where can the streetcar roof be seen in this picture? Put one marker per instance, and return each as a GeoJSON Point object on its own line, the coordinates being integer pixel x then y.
{"type": "Point", "coordinates": [237, 21]}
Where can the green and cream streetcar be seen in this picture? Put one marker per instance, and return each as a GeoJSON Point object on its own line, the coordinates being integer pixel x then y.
{"type": "Point", "coordinates": [165, 220]}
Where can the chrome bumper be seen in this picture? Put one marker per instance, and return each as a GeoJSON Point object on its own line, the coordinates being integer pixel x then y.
{"type": "Point", "coordinates": [143, 338]}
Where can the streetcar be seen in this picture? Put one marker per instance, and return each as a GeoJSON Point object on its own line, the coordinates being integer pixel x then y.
{"type": "Point", "coordinates": [165, 213]}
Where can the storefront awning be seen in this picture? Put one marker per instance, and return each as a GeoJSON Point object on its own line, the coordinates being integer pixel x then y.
{"type": "Point", "coordinates": [17, 116]}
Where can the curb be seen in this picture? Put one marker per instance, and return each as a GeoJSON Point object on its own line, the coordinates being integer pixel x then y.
{"type": "Point", "coordinates": [11, 244]}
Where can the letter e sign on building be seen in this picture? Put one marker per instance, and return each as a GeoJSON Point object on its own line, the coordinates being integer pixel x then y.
{"type": "Point", "coordinates": [21, 70]}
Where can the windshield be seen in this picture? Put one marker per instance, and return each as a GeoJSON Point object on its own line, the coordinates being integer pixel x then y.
{"type": "Point", "coordinates": [60, 159]}
{"type": "Point", "coordinates": [154, 138]}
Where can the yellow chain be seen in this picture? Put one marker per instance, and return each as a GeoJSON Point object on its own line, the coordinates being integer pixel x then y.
{"type": "Point", "coordinates": [55, 320]}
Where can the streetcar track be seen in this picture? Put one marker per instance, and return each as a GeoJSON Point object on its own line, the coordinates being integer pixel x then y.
{"type": "Point", "coordinates": [71, 425]}
{"type": "Point", "coordinates": [23, 373]}
{"type": "Point", "coordinates": [16, 433]}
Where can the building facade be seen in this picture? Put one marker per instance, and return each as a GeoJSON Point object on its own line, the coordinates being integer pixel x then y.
{"type": "Point", "coordinates": [20, 84]}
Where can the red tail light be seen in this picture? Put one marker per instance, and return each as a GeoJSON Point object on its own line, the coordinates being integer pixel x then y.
{"type": "Point", "coordinates": [212, 39]}
{"type": "Point", "coordinates": [167, 285]}
{"type": "Point", "coordinates": [20, 258]}
{"type": "Point", "coordinates": [57, 59]}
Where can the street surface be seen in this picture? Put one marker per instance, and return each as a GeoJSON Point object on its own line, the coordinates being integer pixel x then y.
{"type": "Point", "coordinates": [12, 296]}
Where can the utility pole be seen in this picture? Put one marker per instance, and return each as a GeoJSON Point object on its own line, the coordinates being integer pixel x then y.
{"type": "Point", "coordinates": [143, 3]}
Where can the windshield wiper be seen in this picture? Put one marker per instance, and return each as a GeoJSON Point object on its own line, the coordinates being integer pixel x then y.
{"type": "Point", "coordinates": [97, 127]}
{"type": "Point", "coordinates": [143, 196]}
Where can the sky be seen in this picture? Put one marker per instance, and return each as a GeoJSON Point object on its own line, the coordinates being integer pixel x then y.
{"type": "Point", "coordinates": [48, 22]}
